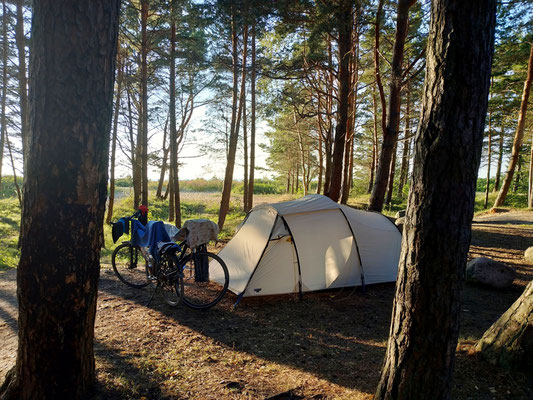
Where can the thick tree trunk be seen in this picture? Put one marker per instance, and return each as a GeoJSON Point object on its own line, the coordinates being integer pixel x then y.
{"type": "Point", "coordinates": [509, 341]}
{"type": "Point", "coordinates": [111, 202]}
{"type": "Point", "coordinates": [144, 101]}
{"type": "Point", "coordinates": [71, 98]}
{"type": "Point", "coordinates": [20, 39]}
{"type": "Point", "coordinates": [345, 26]}
{"type": "Point", "coordinates": [425, 317]}
{"type": "Point", "coordinates": [234, 132]}
{"type": "Point", "coordinates": [519, 136]}
{"type": "Point", "coordinates": [500, 159]}
{"type": "Point", "coordinates": [390, 134]}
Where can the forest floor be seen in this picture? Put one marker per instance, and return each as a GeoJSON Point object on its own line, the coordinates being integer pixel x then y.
{"type": "Point", "coordinates": [328, 346]}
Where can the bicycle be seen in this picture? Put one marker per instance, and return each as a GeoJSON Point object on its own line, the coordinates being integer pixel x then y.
{"type": "Point", "coordinates": [195, 276]}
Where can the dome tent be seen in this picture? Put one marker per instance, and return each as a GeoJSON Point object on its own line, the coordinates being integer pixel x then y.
{"type": "Point", "coordinates": [308, 244]}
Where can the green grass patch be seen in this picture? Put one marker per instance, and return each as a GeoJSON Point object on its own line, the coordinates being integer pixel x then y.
{"type": "Point", "coordinates": [9, 233]}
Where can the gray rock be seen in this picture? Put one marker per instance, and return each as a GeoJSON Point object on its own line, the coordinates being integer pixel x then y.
{"type": "Point", "coordinates": [400, 223]}
{"type": "Point", "coordinates": [488, 272]}
{"type": "Point", "coordinates": [400, 214]}
{"type": "Point", "coordinates": [528, 255]}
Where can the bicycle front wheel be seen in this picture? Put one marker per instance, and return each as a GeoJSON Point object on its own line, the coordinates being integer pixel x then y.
{"type": "Point", "coordinates": [130, 266]}
{"type": "Point", "coordinates": [170, 280]}
{"type": "Point", "coordinates": [205, 280]}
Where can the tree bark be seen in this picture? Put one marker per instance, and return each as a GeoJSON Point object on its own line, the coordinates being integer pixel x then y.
{"type": "Point", "coordinates": [5, 81]}
{"type": "Point", "coordinates": [530, 179]}
{"type": "Point", "coordinates": [500, 158]}
{"type": "Point", "coordinates": [345, 26]}
{"type": "Point", "coordinates": [20, 40]}
{"type": "Point", "coordinates": [404, 169]}
{"type": "Point", "coordinates": [390, 134]}
{"type": "Point", "coordinates": [489, 155]}
{"type": "Point", "coordinates": [173, 189]}
{"type": "Point", "coordinates": [519, 135]}
{"type": "Point", "coordinates": [164, 162]}
{"type": "Point", "coordinates": [374, 140]}
{"type": "Point", "coordinates": [251, 178]}
{"type": "Point", "coordinates": [392, 173]}
{"type": "Point", "coordinates": [144, 101]}
{"type": "Point", "coordinates": [425, 318]}
{"type": "Point", "coordinates": [111, 202]}
{"type": "Point", "coordinates": [235, 120]}
{"type": "Point", "coordinates": [71, 99]}
{"type": "Point", "coordinates": [509, 341]}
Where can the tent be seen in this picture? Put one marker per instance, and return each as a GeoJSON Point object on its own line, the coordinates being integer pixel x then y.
{"type": "Point", "coordinates": [308, 244]}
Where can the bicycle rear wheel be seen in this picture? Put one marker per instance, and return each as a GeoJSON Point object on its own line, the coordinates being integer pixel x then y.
{"type": "Point", "coordinates": [130, 266]}
{"type": "Point", "coordinates": [205, 280]}
{"type": "Point", "coordinates": [170, 280]}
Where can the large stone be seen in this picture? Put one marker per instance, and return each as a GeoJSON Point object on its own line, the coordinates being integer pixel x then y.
{"type": "Point", "coordinates": [528, 255]}
{"type": "Point", "coordinates": [400, 223]}
{"type": "Point", "coordinates": [488, 272]}
{"type": "Point", "coordinates": [400, 214]}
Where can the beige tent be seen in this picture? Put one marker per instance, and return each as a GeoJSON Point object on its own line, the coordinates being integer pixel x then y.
{"type": "Point", "coordinates": [310, 244]}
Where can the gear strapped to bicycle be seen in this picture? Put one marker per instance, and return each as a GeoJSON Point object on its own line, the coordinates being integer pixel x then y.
{"type": "Point", "coordinates": [183, 271]}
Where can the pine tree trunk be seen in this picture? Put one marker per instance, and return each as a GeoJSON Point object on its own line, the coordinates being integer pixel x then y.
{"type": "Point", "coordinates": [245, 149]}
{"type": "Point", "coordinates": [500, 159]}
{"type": "Point", "coordinates": [111, 202]}
{"type": "Point", "coordinates": [519, 136]}
{"type": "Point", "coordinates": [425, 318]}
{"type": "Point", "coordinates": [509, 341]}
{"type": "Point", "coordinates": [530, 179]}
{"type": "Point", "coordinates": [404, 169]}
{"type": "Point", "coordinates": [374, 140]}
{"type": "Point", "coordinates": [251, 179]}
{"type": "Point", "coordinates": [5, 81]}
{"type": "Point", "coordinates": [344, 20]}
{"type": "Point", "coordinates": [64, 198]}
{"type": "Point", "coordinates": [173, 188]}
{"type": "Point", "coordinates": [144, 99]}
{"type": "Point", "coordinates": [235, 120]}
{"type": "Point", "coordinates": [390, 134]}
{"type": "Point", "coordinates": [518, 174]}
{"type": "Point", "coordinates": [391, 175]}
{"type": "Point", "coordinates": [20, 40]}
{"type": "Point", "coordinates": [164, 162]}
{"type": "Point", "coordinates": [489, 155]}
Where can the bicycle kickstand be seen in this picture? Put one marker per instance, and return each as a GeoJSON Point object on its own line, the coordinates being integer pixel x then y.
{"type": "Point", "coordinates": [153, 294]}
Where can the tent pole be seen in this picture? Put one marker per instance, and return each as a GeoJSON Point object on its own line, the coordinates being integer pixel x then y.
{"type": "Point", "coordinates": [300, 293]}
{"type": "Point", "coordinates": [357, 248]}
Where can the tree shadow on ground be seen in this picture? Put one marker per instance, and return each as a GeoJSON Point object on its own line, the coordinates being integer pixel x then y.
{"type": "Point", "coordinates": [340, 339]}
{"type": "Point", "coordinates": [128, 378]}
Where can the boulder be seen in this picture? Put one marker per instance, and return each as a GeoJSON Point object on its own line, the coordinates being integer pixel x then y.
{"type": "Point", "coordinates": [488, 272]}
{"type": "Point", "coordinates": [399, 223]}
{"type": "Point", "coordinates": [400, 214]}
{"type": "Point", "coordinates": [528, 255]}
